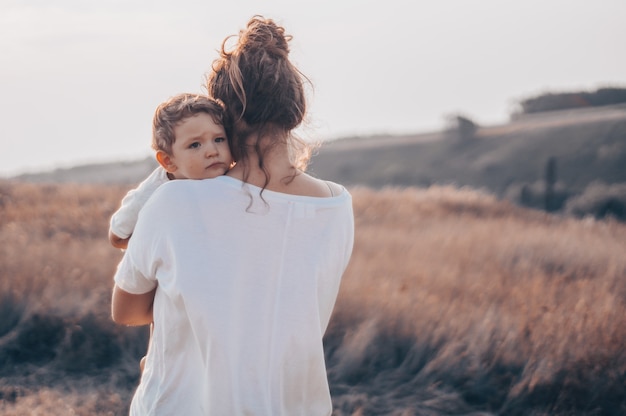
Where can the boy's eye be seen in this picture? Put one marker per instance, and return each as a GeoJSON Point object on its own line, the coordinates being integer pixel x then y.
{"type": "Point", "coordinates": [220, 140]}
{"type": "Point", "coordinates": [194, 145]}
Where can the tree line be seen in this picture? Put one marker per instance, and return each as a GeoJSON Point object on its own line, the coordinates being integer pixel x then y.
{"type": "Point", "coordinates": [570, 100]}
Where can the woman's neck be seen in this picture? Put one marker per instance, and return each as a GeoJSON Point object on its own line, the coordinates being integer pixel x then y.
{"type": "Point", "coordinates": [279, 169]}
{"type": "Point", "coordinates": [280, 174]}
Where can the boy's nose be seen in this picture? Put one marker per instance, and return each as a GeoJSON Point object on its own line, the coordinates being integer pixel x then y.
{"type": "Point", "coordinates": [211, 150]}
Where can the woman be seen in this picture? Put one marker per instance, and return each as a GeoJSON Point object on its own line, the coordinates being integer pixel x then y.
{"type": "Point", "coordinates": [240, 273]}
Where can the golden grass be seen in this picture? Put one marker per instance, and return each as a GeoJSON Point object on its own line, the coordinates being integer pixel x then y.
{"type": "Point", "coordinates": [498, 304]}
{"type": "Point", "coordinates": [53, 240]}
{"type": "Point", "coordinates": [48, 401]}
{"type": "Point", "coordinates": [454, 303]}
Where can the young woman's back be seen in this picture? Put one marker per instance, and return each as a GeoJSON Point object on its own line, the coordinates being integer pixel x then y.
{"type": "Point", "coordinates": [250, 284]}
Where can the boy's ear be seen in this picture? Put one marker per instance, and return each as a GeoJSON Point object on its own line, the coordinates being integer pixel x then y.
{"type": "Point", "coordinates": [165, 161]}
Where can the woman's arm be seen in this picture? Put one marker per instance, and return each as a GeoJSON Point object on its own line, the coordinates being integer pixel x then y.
{"type": "Point", "coordinates": [129, 309]}
{"type": "Point", "coordinates": [118, 242]}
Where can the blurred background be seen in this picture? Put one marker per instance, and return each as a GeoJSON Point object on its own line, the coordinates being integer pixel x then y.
{"type": "Point", "coordinates": [484, 145]}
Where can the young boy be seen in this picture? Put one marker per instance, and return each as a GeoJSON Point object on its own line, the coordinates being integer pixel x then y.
{"type": "Point", "coordinates": [190, 141]}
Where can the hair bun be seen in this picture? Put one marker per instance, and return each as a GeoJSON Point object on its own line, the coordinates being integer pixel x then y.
{"type": "Point", "coordinates": [264, 34]}
{"type": "Point", "coordinates": [261, 87]}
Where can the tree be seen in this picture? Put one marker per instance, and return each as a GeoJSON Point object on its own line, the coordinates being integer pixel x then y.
{"type": "Point", "coordinates": [461, 127]}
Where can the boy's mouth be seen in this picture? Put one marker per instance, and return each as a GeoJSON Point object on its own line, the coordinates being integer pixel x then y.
{"type": "Point", "coordinates": [215, 165]}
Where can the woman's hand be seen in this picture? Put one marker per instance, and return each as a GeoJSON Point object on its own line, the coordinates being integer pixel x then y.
{"type": "Point", "coordinates": [118, 242]}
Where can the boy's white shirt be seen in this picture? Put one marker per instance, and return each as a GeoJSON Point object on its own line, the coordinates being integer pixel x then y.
{"type": "Point", "coordinates": [124, 219]}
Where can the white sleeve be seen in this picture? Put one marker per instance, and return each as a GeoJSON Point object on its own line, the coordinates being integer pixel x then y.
{"type": "Point", "coordinates": [148, 249]}
{"type": "Point", "coordinates": [130, 279]}
{"type": "Point", "coordinates": [124, 219]}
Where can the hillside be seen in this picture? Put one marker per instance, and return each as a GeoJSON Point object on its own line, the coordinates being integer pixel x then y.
{"type": "Point", "coordinates": [586, 146]}
{"type": "Point", "coordinates": [454, 303]}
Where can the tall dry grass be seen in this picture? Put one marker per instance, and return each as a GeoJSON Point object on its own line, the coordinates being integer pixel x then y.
{"type": "Point", "coordinates": [454, 303]}
{"type": "Point", "coordinates": [59, 351]}
{"type": "Point", "coordinates": [457, 303]}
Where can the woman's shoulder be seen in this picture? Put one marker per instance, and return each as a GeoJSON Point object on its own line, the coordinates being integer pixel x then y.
{"type": "Point", "coordinates": [335, 189]}
{"type": "Point", "coordinates": [307, 185]}
{"type": "Point", "coordinates": [173, 189]}
{"type": "Point", "coordinates": [181, 191]}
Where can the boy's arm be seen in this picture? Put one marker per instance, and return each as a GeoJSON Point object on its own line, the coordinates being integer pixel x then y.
{"type": "Point", "coordinates": [124, 219]}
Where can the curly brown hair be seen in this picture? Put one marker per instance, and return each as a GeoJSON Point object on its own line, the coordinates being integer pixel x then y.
{"type": "Point", "coordinates": [263, 91]}
{"type": "Point", "coordinates": [178, 108]}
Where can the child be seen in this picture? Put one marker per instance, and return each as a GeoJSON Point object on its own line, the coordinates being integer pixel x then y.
{"type": "Point", "coordinates": [190, 141]}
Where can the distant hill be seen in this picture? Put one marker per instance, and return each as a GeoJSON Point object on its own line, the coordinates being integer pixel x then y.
{"type": "Point", "coordinates": [588, 145]}
{"type": "Point", "coordinates": [583, 146]}
{"type": "Point", "coordinates": [131, 172]}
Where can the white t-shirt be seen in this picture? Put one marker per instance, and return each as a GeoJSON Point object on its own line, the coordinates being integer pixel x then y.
{"type": "Point", "coordinates": [124, 219]}
{"type": "Point", "coordinates": [245, 293]}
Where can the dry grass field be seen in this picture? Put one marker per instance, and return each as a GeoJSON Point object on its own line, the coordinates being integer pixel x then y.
{"type": "Point", "coordinates": [455, 303]}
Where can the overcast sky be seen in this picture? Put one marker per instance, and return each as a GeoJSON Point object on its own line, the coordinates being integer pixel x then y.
{"type": "Point", "coordinates": [80, 79]}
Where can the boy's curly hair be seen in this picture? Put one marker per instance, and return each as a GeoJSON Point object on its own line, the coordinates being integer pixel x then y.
{"type": "Point", "coordinates": [178, 108]}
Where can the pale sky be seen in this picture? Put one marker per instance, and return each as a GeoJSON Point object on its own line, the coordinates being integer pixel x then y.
{"type": "Point", "coordinates": [80, 79]}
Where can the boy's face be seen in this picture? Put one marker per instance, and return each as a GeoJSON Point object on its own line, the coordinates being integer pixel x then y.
{"type": "Point", "coordinates": [200, 150]}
